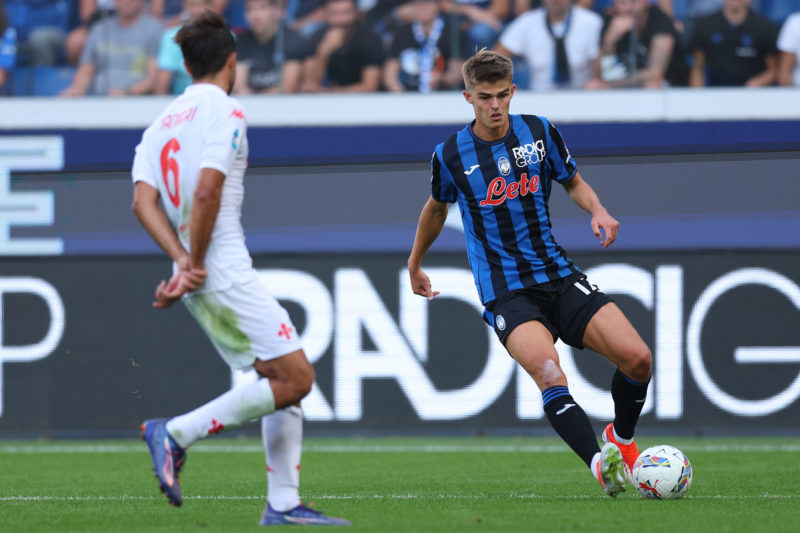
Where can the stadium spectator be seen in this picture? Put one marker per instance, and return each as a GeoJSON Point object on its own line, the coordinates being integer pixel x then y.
{"type": "Point", "coordinates": [172, 77]}
{"type": "Point", "coordinates": [421, 57]}
{"type": "Point", "coordinates": [640, 48]}
{"type": "Point", "coordinates": [789, 50]}
{"type": "Point", "coordinates": [8, 48]}
{"type": "Point", "coordinates": [344, 55]}
{"type": "Point", "coordinates": [120, 54]}
{"type": "Point", "coordinates": [89, 13]}
{"type": "Point", "coordinates": [482, 20]}
{"type": "Point", "coordinates": [560, 43]}
{"type": "Point", "coordinates": [734, 47]}
{"type": "Point", "coordinates": [268, 52]}
{"type": "Point", "coordinates": [42, 27]}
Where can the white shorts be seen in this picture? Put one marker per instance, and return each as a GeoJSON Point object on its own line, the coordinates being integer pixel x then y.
{"type": "Point", "coordinates": [245, 323]}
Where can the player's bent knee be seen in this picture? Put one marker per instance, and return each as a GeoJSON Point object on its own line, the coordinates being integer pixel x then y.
{"type": "Point", "coordinates": [639, 363]}
{"type": "Point", "coordinates": [300, 382]}
{"type": "Point", "coordinates": [549, 374]}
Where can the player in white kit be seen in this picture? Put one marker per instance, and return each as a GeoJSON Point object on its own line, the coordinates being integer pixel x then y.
{"type": "Point", "coordinates": [188, 173]}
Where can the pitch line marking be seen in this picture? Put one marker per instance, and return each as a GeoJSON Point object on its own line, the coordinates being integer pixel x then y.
{"type": "Point", "coordinates": [57, 448]}
{"type": "Point", "coordinates": [408, 496]}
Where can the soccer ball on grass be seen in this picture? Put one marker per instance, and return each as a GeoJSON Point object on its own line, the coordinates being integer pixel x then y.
{"type": "Point", "coordinates": [662, 473]}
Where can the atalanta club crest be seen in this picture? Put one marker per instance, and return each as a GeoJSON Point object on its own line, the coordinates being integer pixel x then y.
{"type": "Point", "coordinates": [501, 322]}
{"type": "Point", "coordinates": [504, 165]}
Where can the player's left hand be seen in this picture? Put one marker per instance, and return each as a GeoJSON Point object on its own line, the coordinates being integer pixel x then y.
{"type": "Point", "coordinates": [609, 225]}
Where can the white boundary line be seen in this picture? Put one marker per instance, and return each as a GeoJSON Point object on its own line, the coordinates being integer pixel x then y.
{"type": "Point", "coordinates": [408, 496]}
{"type": "Point", "coordinates": [369, 448]}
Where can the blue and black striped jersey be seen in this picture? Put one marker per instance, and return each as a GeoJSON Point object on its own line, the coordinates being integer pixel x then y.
{"type": "Point", "coordinates": [502, 189]}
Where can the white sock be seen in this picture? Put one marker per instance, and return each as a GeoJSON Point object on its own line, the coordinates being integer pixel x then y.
{"type": "Point", "coordinates": [619, 439]}
{"type": "Point", "coordinates": [282, 432]}
{"type": "Point", "coordinates": [232, 409]}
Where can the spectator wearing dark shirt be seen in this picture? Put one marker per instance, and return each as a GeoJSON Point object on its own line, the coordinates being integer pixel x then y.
{"type": "Point", "coordinates": [344, 55]}
{"type": "Point", "coordinates": [734, 47]}
{"type": "Point", "coordinates": [268, 52]}
{"type": "Point", "coordinates": [420, 57]}
{"type": "Point", "coordinates": [640, 48]}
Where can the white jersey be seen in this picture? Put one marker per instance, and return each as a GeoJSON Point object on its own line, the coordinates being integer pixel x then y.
{"type": "Point", "coordinates": [202, 128]}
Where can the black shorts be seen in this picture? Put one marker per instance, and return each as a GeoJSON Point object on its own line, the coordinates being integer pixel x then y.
{"type": "Point", "coordinates": [564, 306]}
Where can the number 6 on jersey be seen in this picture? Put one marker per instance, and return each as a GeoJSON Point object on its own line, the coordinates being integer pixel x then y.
{"type": "Point", "coordinates": [170, 164]}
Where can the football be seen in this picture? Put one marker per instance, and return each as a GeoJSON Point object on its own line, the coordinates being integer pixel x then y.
{"type": "Point", "coordinates": [662, 472]}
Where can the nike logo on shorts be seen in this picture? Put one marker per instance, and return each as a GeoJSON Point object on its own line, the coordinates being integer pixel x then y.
{"type": "Point", "coordinates": [567, 406]}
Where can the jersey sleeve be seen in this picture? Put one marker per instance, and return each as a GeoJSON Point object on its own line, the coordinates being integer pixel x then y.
{"type": "Point", "coordinates": [142, 168]}
{"type": "Point", "coordinates": [562, 165]}
{"type": "Point", "coordinates": [443, 188]}
{"type": "Point", "coordinates": [225, 134]}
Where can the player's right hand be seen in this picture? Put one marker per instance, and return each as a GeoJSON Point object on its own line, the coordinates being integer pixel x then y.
{"type": "Point", "coordinates": [193, 277]}
{"type": "Point", "coordinates": [421, 284]}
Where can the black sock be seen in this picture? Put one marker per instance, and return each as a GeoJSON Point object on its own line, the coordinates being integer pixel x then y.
{"type": "Point", "coordinates": [629, 397]}
{"type": "Point", "coordinates": [570, 422]}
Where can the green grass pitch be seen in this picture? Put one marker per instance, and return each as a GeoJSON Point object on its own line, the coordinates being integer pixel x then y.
{"type": "Point", "coordinates": [397, 485]}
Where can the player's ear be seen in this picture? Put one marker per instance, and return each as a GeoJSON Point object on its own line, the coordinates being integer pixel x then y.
{"type": "Point", "coordinates": [513, 88]}
{"type": "Point", "coordinates": [467, 96]}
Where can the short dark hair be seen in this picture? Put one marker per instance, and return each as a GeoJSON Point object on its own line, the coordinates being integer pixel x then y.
{"type": "Point", "coordinates": [206, 43]}
{"type": "Point", "coordinates": [487, 66]}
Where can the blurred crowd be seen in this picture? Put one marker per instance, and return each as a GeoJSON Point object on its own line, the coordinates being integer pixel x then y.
{"type": "Point", "coordinates": [121, 47]}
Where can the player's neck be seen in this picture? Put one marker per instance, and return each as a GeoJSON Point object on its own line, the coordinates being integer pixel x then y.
{"type": "Point", "coordinates": [219, 81]}
{"type": "Point", "coordinates": [488, 134]}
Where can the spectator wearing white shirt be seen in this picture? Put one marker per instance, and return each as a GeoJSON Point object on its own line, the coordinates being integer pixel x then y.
{"type": "Point", "coordinates": [560, 42]}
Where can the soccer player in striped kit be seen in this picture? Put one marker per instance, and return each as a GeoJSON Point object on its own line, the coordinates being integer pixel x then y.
{"type": "Point", "coordinates": [500, 169]}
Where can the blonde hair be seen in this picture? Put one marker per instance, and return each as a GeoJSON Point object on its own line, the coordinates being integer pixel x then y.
{"type": "Point", "coordinates": [487, 66]}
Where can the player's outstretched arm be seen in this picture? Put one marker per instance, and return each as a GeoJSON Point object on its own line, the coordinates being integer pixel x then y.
{"type": "Point", "coordinates": [584, 196]}
{"type": "Point", "coordinates": [431, 222]}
